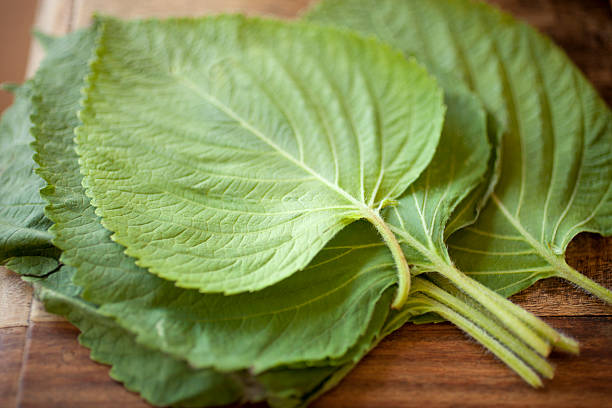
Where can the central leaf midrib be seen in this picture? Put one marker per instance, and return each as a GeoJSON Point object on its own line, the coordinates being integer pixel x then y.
{"type": "Point", "coordinates": [547, 255]}
{"type": "Point", "coordinates": [429, 253]}
{"type": "Point", "coordinates": [256, 132]}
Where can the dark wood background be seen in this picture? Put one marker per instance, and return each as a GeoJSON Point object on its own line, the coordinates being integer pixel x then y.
{"type": "Point", "coordinates": [42, 365]}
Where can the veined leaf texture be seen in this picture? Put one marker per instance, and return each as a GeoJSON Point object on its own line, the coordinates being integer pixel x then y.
{"type": "Point", "coordinates": [556, 172]}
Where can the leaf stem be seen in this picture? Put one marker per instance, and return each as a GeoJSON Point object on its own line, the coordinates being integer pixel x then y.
{"type": "Point", "coordinates": [558, 340]}
{"type": "Point", "coordinates": [500, 307]}
{"type": "Point", "coordinates": [515, 363]}
{"type": "Point", "coordinates": [497, 305]}
{"type": "Point", "coordinates": [403, 270]}
{"type": "Point", "coordinates": [567, 272]}
{"type": "Point", "coordinates": [486, 323]}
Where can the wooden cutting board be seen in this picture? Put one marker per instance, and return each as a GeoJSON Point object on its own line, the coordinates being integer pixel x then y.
{"type": "Point", "coordinates": [42, 365]}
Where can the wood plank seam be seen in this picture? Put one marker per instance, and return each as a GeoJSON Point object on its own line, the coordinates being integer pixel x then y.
{"type": "Point", "coordinates": [24, 359]}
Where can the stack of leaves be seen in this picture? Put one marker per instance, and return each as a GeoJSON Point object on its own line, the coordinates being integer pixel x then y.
{"type": "Point", "coordinates": [237, 210]}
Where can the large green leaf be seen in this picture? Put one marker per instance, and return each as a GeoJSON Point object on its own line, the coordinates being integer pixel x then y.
{"type": "Point", "coordinates": [556, 177]}
{"type": "Point", "coordinates": [140, 301]}
{"type": "Point", "coordinates": [225, 152]}
{"type": "Point", "coordinates": [150, 306]}
{"type": "Point", "coordinates": [331, 303]}
{"type": "Point", "coordinates": [23, 226]}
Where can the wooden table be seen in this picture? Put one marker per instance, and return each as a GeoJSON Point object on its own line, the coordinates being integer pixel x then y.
{"type": "Point", "coordinates": [42, 365]}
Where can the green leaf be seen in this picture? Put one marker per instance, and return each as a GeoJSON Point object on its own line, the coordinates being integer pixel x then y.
{"type": "Point", "coordinates": [556, 176]}
{"type": "Point", "coordinates": [331, 303]}
{"type": "Point", "coordinates": [23, 226]}
{"type": "Point", "coordinates": [225, 152]}
{"type": "Point", "coordinates": [32, 265]}
{"type": "Point", "coordinates": [459, 165]}
{"type": "Point", "coordinates": [25, 244]}
{"type": "Point", "coordinates": [88, 242]}
{"type": "Point", "coordinates": [467, 211]}
{"type": "Point", "coordinates": [174, 382]}
{"type": "Point", "coordinates": [420, 221]}
{"type": "Point", "coordinates": [145, 304]}
{"type": "Point", "coordinates": [368, 18]}
{"type": "Point", "coordinates": [45, 40]}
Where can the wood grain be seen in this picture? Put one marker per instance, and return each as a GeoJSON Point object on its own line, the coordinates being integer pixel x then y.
{"type": "Point", "coordinates": [434, 366]}
{"type": "Point", "coordinates": [12, 346]}
{"type": "Point", "coordinates": [15, 21]}
{"type": "Point", "coordinates": [429, 365]}
{"type": "Point", "coordinates": [60, 374]}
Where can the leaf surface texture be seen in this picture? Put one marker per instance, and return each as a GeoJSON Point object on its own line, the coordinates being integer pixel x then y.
{"type": "Point", "coordinates": [225, 152]}
{"type": "Point", "coordinates": [331, 302]}
{"type": "Point", "coordinates": [556, 174]}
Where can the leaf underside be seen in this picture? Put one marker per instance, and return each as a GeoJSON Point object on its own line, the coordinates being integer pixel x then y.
{"type": "Point", "coordinates": [352, 274]}
{"type": "Point", "coordinates": [175, 382]}
{"type": "Point", "coordinates": [331, 302]}
{"type": "Point", "coordinates": [245, 145]}
{"type": "Point", "coordinates": [60, 77]}
{"type": "Point", "coordinates": [358, 243]}
{"type": "Point", "coordinates": [556, 175]}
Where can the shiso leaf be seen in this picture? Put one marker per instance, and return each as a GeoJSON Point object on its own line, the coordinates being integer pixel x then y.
{"type": "Point", "coordinates": [225, 152]}
{"type": "Point", "coordinates": [294, 385]}
{"type": "Point", "coordinates": [146, 304]}
{"type": "Point", "coordinates": [556, 175]}
{"type": "Point", "coordinates": [32, 265]}
{"type": "Point", "coordinates": [174, 383]}
{"type": "Point", "coordinates": [331, 303]}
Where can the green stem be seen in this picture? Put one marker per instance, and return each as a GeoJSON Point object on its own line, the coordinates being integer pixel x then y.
{"type": "Point", "coordinates": [567, 272]}
{"type": "Point", "coordinates": [499, 306]}
{"type": "Point", "coordinates": [558, 340]}
{"type": "Point", "coordinates": [485, 339]}
{"type": "Point", "coordinates": [486, 323]}
{"type": "Point", "coordinates": [558, 263]}
{"type": "Point", "coordinates": [403, 270]}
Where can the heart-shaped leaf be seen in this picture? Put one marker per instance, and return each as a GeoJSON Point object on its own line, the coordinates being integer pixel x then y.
{"type": "Point", "coordinates": [331, 302]}
{"type": "Point", "coordinates": [225, 152]}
